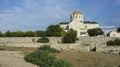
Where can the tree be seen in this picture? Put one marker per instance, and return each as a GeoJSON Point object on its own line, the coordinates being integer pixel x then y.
{"type": "Point", "coordinates": [95, 32]}
{"type": "Point", "coordinates": [70, 37]}
{"type": "Point", "coordinates": [12, 34]}
{"type": "Point", "coordinates": [41, 33]}
{"type": "Point", "coordinates": [54, 30]}
{"type": "Point", "coordinates": [118, 29]}
{"type": "Point", "coordinates": [7, 34]}
{"type": "Point", "coordinates": [1, 34]}
{"type": "Point", "coordinates": [19, 34]}
{"type": "Point", "coordinates": [63, 33]}
{"type": "Point", "coordinates": [30, 34]}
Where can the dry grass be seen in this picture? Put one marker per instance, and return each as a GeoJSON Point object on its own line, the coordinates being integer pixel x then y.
{"type": "Point", "coordinates": [90, 59]}
{"type": "Point", "coordinates": [24, 50]}
{"type": "Point", "coordinates": [77, 58]}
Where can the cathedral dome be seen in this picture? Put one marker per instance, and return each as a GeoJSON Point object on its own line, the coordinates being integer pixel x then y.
{"type": "Point", "coordinates": [76, 12]}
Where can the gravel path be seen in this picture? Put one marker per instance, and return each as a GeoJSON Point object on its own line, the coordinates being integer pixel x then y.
{"type": "Point", "coordinates": [13, 59]}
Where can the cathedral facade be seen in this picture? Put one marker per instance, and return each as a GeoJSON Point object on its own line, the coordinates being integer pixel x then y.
{"type": "Point", "coordinates": [78, 24]}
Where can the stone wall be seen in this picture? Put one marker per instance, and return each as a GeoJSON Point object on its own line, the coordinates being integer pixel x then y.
{"type": "Point", "coordinates": [107, 48]}
{"type": "Point", "coordinates": [98, 42]}
{"type": "Point", "coordinates": [57, 46]}
{"type": "Point", "coordinates": [94, 40]}
{"type": "Point", "coordinates": [27, 39]}
{"type": "Point", "coordinates": [55, 40]}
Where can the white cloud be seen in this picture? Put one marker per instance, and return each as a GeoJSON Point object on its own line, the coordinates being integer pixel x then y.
{"type": "Point", "coordinates": [35, 14]}
{"type": "Point", "coordinates": [107, 27]}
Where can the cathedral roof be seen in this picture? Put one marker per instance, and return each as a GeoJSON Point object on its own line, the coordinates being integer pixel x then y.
{"type": "Point", "coordinates": [64, 23]}
{"type": "Point", "coordinates": [85, 22]}
{"type": "Point", "coordinates": [76, 12]}
{"type": "Point", "coordinates": [90, 22]}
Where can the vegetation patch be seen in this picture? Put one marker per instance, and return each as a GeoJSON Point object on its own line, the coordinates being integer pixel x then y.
{"type": "Point", "coordinates": [70, 37]}
{"type": "Point", "coordinates": [86, 44]}
{"type": "Point", "coordinates": [48, 49]}
{"type": "Point", "coordinates": [115, 42]}
{"type": "Point", "coordinates": [2, 48]}
{"type": "Point", "coordinates": [55, 31]}
{"type": "Point", "coordinates": [43, 58]}
{"type": "Point", "coordinates": [43, 40]}
{"type": "Point", "coordinates": [51, 31]}
{"type": "Point", "coordinates": [95, 32]}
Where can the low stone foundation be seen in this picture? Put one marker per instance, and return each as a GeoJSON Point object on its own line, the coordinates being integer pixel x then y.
{"type": "Point", "coordinates": [57, 46]}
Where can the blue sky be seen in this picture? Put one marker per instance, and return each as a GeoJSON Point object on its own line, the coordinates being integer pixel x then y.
{"type": "Point", "coordinates": [38, 14]}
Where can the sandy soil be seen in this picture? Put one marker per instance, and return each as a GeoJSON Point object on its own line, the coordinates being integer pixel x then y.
{"type": "Point", "coordinates": [13, 59]}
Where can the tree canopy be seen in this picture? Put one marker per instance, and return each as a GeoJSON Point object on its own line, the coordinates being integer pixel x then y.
{"type": "Point", "coordinates": [1, 34]}
{"type": "Point", "coordinates": [19, 34]}
{"type": "Point", "coordinates": [7, 34]}
{"type": "Point", "coordinates": [95, 32]}
{"type": "Point", "coordinates": [53, 30]}
{"type": "Point", "coordinates": [30, 34]}
{"type": "Point", "coordinates": [118, 29]}
{"type": "Point", "coordinates": [40, 33]}
{"type": "Point", "coordinates": [70, 37]}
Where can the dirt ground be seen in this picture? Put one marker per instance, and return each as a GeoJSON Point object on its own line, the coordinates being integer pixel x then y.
{"type": "Point", "coordinates": [90, 59]}
{"type": "Point", "coordinates": [13, 59]}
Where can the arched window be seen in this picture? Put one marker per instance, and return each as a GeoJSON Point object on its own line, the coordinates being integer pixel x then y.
{"type": "Point", "coordinates": [76, 16]}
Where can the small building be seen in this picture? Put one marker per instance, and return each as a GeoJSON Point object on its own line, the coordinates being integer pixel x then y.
{"type": "Point", "coordinates": [113, 33]}
{"type": "Point", "coordinates": [78, 24]}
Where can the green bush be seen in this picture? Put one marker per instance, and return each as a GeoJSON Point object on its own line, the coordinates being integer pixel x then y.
{"type": "Point", "coordinates": [95, 32]}
{"type": "Point", "coordinates": [2, 48]}
{"type": "Point", "coordinates": [70, 37]}
{"type": "Point", "coordinates": [42, 58]}
{"type": "Point", "coordinates": [48, 48]}
{"type": "Point", "coordinates": [110, 43]}
{"type": "Point", "coordinates": [43, 40]}
{"type": "Point", "coordinates": [115, 42]}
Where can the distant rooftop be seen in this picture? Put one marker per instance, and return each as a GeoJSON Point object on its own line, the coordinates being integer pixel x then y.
{"type": "Point", "coordinates": [85, 22]}
{"type": "Point", "coordinates": [90, 22]}
{"type": "Point", "coordinates": [64, 23]}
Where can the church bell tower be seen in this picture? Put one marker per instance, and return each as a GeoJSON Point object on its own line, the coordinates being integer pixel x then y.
{"type": "Point", "coordinates": [77, 16]}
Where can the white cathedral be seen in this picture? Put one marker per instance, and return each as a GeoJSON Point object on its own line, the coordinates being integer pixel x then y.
{"type": "Point", "coordinates": [78, 24]}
